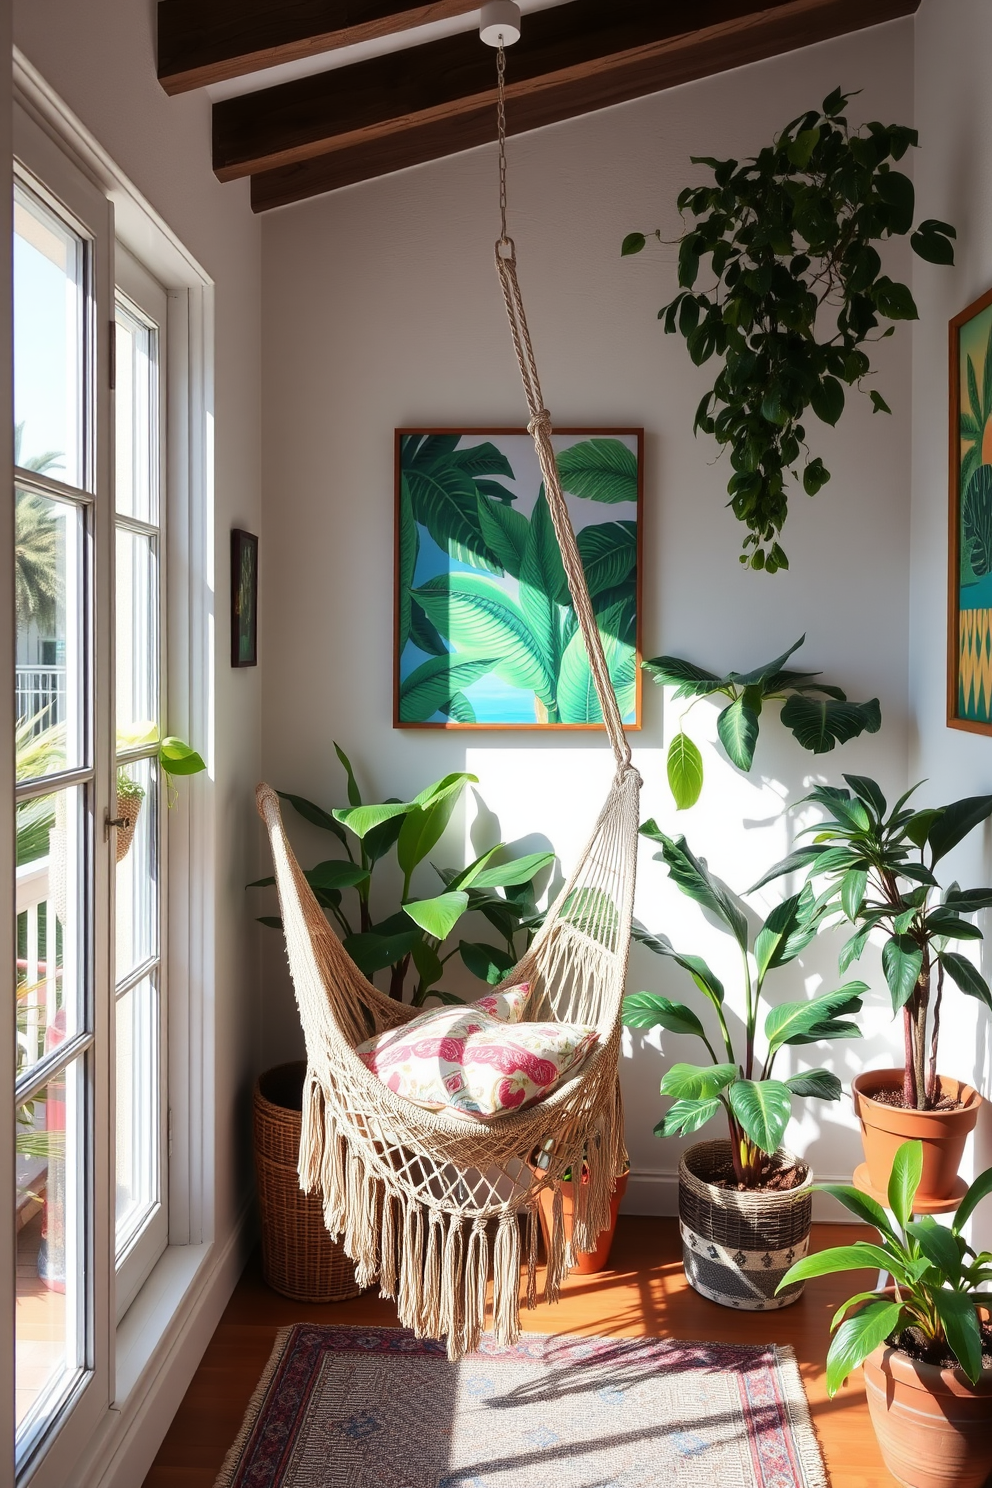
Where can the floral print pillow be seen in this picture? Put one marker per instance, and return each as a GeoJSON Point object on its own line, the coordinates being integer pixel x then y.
{"type": "Point", "coordinates": [478, 1061]}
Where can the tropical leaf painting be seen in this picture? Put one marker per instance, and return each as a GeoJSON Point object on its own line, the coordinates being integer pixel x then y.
{"type": "Point", "coordinates": [971, 495]}
{"type": "Point", "coordinates": [486, 633]}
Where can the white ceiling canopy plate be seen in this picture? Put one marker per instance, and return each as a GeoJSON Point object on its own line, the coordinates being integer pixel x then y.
{"type": "Point", "coordinates": [499, 23]}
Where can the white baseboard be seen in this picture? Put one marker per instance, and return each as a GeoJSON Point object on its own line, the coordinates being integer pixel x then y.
{"type": "Point", "coordinates": [122, 1453]}
{"type": "Point", "coordinates": [655, 1191]}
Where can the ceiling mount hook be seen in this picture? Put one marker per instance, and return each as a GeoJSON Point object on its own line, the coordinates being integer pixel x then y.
{"type": "Point", "coordinates": [499, 23]}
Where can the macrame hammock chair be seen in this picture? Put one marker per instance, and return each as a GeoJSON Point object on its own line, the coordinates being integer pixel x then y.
{"type": "Point", "coordinates": [428, 1204]}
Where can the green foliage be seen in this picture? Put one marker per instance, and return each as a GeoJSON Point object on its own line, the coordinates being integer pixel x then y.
{"type": "Point", "coordinates": [799, 294]}
{"type": "Point", "coordinates": [468, 625]}
{"type": "Point", "coordinates": [877, 873]}
{"type": "Point", "coordinates": [938, 1275]}
{"type": "Point", "coordinates": [757, 1107]}
{"type": "Point", "coordinates": [818, 714]}
{"type": "Point", "coordinates": [414, 942]}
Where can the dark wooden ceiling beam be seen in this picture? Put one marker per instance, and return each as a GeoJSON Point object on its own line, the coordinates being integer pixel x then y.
{"type": "Point", "coordinates": [211, 41]}
{"type": "Point", "coordinates": [394, 111]}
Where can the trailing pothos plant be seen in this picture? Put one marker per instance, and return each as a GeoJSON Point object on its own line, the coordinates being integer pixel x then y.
{"type": "Point", "coordinates": [818, 714]}
{"type": "Point", "coordinates": [938, 1279]}
{"type": "Point", "coordinates": [739, 1083]}
{"type": "Point", "coordinates": [799, 293]}
{"type": "Point", "coordinates": [876, 869]}
{"type": "Point", "coordinates": [416, 941]}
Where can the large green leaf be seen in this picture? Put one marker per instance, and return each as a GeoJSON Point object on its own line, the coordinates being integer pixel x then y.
{"type": "Point", "coordinates": [541, 579]}
{"type": "Point", "coordinates": [445, 500]}
{"type": "Point", "coordinates": [599, 469]}
{"type": "Point", "coordinates": [592, 911]}
{"type": "Point", "coordinates": [505, 532]}
{"type": "Point", "coordinates": [334, 874]}
{"type": "Point", "coordinates": [706, 980]}
{"type": "Point", "coordinates": [802, 1022]}
{"type": "Point", "coordinates": [938, 1245]}
{"type": "Point", "coordinates": [609, 556]}
{"type": "Point", "coordinates": [424, 826]}
{"type": "Point", "coordinates": [904, 1180]}
{"type": "Point", "coordinates": [577, 698]}
{"type": "Point", "coordinates": [459, 708]}
{"type": "Point", "coordinates": [687, 1116]}
{"type": "Point", "coordinates": [650, 1010]}
{"type": "Point", "coordinates": [901, 962]}
{"type": "Point", "coordinates": [685, 771]}
{"type": "Point", "coordinates": [314, 814]}
{"type": "Point", "coordinates": [488, 962]}
{"type": "Point", "coordinates": [802, 857]}
{"type": "Point", "coordinates": [966, 975]}
{"type": "Point", "coordinates": [177, 758]}
{"type": "Point", "coordinates": [362, 819]}
{"type": "Point", "coordinates": [858, 1337]}
{"type": "Point", "coordinates": [423, 633]}
{"type": "Point", "coordinates": [409, 546]}
{"type": "Point", "coordinates": [479, 618]}
{"type": "Point", "coordinates": [371, 951]}
{"type": "Point", "coordinates": [696, 1081]}
{"type": "Point", "coordinates": [783, 935]}
{"type": "Point", "coordinates": [763, 1108]}
{"type": "Point", "coordinates": [434, 683]}
{"type": "Point", "coordinates": [959, 1315]}
{"type": "Point", "coordinates": [862, 1256]}
{"type": "Point", "coordinates": [820, 723]}
{"type": "Point", "coordinates": [440, 915]}
{"type": "Point", "coordinates": [482, 459]}
{"type": "Point", "coordinates": [689, 679]}
{"type": "Point", "coordinates": [820, 1084]}
{"type": "Point", "coordinates": [517, 871]}
{"type": "Point", "coordinates": [693, 877]}
{"type": "Point", "coordinates": [380, 839]}
{"type": "Point", "coordinates": [976, 520]}
{"type": "Point", "coordinates": [980, 1189]}
{"type": "Point", "coordinates": [861, 1205]}
{"type": "Point", "coordinates": [769, 671]}
{"type": "Point", "coordinates": [954, 822]}
{"type": "Point", "coordinates": [737, 726]}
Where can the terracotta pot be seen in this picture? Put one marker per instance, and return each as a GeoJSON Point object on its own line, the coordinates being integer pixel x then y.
{"type": "Point", "coordinates": [943, 1133]}
{"type": "Point", "coordinates": [932, 1424]}
{"type": "Point", "coordinates": [736, 1247]}
{"type": "Point", "coordinates": [587, 1262]}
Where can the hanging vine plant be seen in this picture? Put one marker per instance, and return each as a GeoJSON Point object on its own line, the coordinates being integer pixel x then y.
{"type": "Point", "coordinates": [799, 294]}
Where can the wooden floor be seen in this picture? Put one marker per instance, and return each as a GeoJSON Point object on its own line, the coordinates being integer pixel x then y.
{"type": "Point", "coordinates": [644, 1292]}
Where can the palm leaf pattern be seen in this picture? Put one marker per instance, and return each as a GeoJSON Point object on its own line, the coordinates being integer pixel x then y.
{"type": "Point", "coordinates": [975, 489]}
{"type": "Point", "coordinates": [493, 602]}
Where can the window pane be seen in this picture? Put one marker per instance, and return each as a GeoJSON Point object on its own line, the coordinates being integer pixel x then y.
{"type": "Point", "coordinates": [137, 417]}
{"type": "Point", "coordinates": [50, 1326]}
{"type": "Point", "coordinates": [137, 866]}
{"type": "Point", "coordinates": [49, 296]}
{"type": "Point", "coordinates": [137, 638]}
{"type": "Point", "coordinates": [138, 1110]}
{"type": "Point", "coordinates": [50, 943]}
{"type": "Point", "coordinates": [50, 663]}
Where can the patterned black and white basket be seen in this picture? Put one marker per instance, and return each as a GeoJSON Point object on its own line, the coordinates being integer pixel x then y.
{"type": "Point", "coordinates": [736, 1247]}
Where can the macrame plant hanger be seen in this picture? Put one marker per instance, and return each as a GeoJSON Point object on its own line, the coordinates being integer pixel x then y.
{"type": "Point", "coordinates": [428, 1204]}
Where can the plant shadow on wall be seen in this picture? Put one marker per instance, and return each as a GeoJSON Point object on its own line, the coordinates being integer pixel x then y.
{"type": "Point", "coordinates": [790, 236]}
{"type": "Point", "coordinates": [486, 629]}
{"type": "Point", "coordinates": [415, 942]}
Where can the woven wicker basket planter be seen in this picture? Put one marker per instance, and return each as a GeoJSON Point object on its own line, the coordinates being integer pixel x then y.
{"type": "Point", "coordinates": [299, 1258]}
{"type": "Point", "coordinates": [736, 1247]}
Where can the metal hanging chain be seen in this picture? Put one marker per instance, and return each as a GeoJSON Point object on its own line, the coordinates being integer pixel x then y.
{"type": "Point", "coordinates": [540, 428]}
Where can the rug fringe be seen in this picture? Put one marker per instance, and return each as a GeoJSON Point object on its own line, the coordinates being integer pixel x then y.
{"type": "Point", "coordinates": [800, 1418]}
{"type": "Point", "coordinates": [253, 1410]}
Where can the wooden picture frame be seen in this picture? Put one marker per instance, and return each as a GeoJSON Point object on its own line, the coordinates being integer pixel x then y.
{"type": "Point", "coordinates": [535, 679]}
{"type": "Point", "coordinates": [969, 547]}
{"type": "Point", "coordinates": [244, 598]}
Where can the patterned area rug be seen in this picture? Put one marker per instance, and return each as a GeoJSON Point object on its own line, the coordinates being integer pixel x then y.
{"type": "Point", "coordinates": [341, 1407]}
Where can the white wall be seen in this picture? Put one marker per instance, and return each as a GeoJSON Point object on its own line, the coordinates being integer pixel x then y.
{"type": "Point", "coordinates": [101, 58]}
{"type": "Point", "coordinates": [954, 178]}
{"type": "Point", "coordinates": [381, 309]}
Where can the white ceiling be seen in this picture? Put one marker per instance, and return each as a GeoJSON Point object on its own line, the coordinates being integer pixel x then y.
{"type": "Point", "coordinates": [344, 56]}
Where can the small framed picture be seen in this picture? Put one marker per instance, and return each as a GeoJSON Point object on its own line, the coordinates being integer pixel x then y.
{"type": "Point", "coordinates": [486, 633]}
{"type": "Point", "coordinates": [244, 598]}
{"type": "Point", "coordinates": [969, 548]}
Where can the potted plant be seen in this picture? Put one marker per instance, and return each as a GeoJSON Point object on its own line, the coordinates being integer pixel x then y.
{"type": "Point", "coordinates": [876, 869]}
{"type": "Point", "coordinates": [585, 1262]}
{"type": "Point", "coordinates": [410, 947]}
{"type": "Point", "coordinates": [175, 757]}
{"type": "Point", "coordinates": [926, 1340]}
{"type": "Point", "coordinates": [799, 295]}
{"type": "Point", "coordinates": [744, 1203]}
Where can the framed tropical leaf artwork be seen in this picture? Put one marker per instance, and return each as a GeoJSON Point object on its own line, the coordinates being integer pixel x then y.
{"type": "Point", "coordinates": [969, 628]}
{"type": "Point", "coordinates": [486, 633]}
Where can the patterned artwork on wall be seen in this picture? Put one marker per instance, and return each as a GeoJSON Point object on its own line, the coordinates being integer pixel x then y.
{"type": "Point", "coordinates": [969, 670]}
{"type": "Point", "coordinates": [486, 634]}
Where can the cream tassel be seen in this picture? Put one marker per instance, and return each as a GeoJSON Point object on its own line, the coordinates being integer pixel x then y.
{"type": "Point", "coordinates": [431, 1305]}
{"type": "Point", "coordinates": [452, 1305]}
{"type": "Point", "coordinates": [367, 1258]}
{"type": "Point", "coordinates": [332, 1183]}
{"type": "Point", "coordinates": [312, 1135]}
{"type": "Point", "coordinates": [474, 1286]}
{"type": "Point", "coordinates": [506, 1281]}
{"type": "Point", "coordinates": [558, 1261]}
{"type": "Point", "coordinates": [387, 1247]}
{"type": "Point", "coordinates": [411, 1272]}
{"type": "Point", "coordinates": [532, 1229]}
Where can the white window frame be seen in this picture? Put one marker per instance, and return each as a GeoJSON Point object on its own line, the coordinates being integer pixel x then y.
{"type": "Point", "coordinates": [102, 1444]}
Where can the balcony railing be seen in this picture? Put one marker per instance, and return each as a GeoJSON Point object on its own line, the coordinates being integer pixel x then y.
{"type": "Point", "coordinates": [41, 695]}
